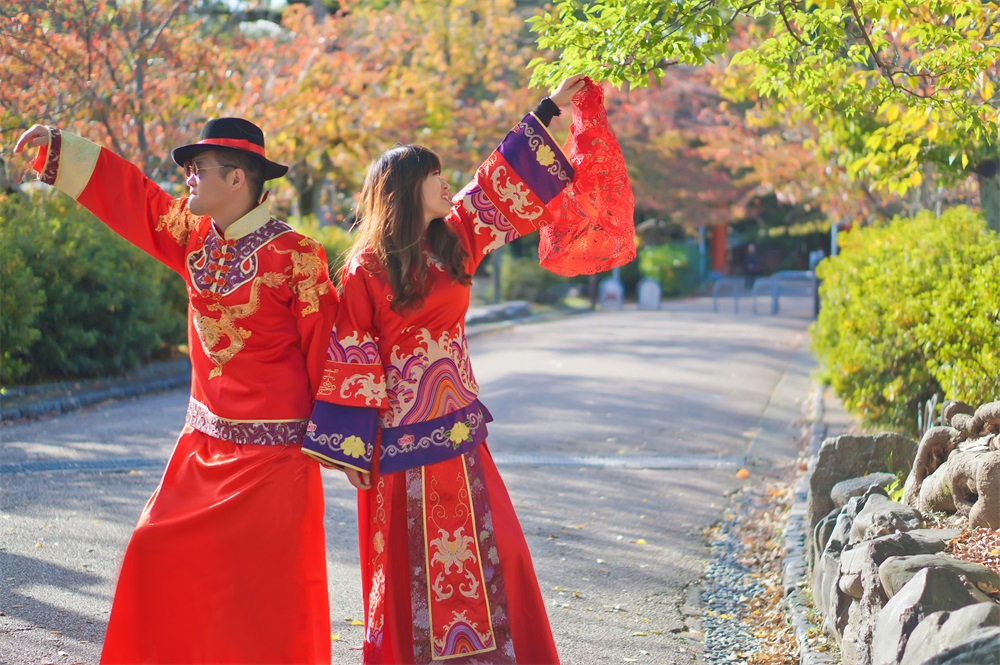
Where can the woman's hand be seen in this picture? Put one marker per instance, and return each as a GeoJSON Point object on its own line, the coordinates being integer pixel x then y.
{"type": "Point", "coordinates": [359, 479]}
{"type": "Point", "coordinates": [567, 89]}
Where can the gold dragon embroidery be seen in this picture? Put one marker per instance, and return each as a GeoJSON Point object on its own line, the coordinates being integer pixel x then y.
{"type": "Point", "coordinates": [212, 331]}
{"type": "Point", "coordinates": [178, 221]}
{"type": "Point", "coordinates": [309, 275]}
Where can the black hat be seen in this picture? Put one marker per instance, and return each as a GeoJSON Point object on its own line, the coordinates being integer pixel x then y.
{"type": "Point", "coordinates": [234, 134]}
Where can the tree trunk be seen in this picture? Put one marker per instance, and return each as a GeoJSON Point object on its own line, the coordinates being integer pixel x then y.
{"type": "Point", "coordinates": [989, 194]}
{"type": "Point", "coordinates": [308, 190]}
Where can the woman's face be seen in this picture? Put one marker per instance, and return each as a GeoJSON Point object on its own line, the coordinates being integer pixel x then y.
{"type": "Point", "coordinates": [436, 197]}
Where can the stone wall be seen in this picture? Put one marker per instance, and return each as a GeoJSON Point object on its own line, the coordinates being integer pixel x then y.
{"type": "Point", "coordinates": [887, 591]}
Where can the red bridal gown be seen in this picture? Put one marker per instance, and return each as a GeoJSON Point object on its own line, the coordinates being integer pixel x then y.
{"type": "Point", "coordinates": [227, 563]}
{"type": "Point", "coordinates": [446, 571]}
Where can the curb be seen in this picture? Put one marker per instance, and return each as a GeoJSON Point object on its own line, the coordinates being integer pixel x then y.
{"type": "Point", "coordinates": [59, 405]}
{"type": "Point", "coordinates": [794, 572]}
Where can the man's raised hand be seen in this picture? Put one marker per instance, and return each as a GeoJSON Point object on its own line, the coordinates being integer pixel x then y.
{"type": "Point", "coordinates": [37, 136]}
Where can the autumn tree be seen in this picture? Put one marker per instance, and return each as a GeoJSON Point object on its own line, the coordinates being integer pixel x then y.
{"type": "Point", "coordinates": [897, 89]}
{"type": "Point", "coordinates": [130, 75]}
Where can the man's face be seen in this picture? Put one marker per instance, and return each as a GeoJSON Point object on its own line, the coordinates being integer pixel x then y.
{"type": "Point", "coordinates": [208, 181]}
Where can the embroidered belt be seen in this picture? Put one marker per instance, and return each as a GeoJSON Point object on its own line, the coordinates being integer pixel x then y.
{"type": "Point", "coordinates": [252, 432]}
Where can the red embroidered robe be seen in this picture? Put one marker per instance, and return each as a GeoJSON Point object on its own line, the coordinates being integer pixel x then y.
{"type": "Point", "coordinates": [227, 563]}
{"type": "Point", "coordinates": [399, 399]}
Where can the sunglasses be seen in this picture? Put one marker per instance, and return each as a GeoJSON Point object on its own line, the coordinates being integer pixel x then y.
{"type": "Point", "coordinates": [192, 169]}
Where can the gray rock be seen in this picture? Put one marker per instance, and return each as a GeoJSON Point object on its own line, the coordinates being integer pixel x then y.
{"type": "Point", "coordinates": [941, 631]}
{"type": "Point", "coordinates": [844, 457]}
{"type": "Point", "coordinates": [849, 641]}
{"type": "Point", "coordinates": [873, 596]}
{"type": "Point", "coordinates": [833, 604]}
{"type": "Point", "coordinates": [851, 565]}
{"type": "Point", "coordinates": [826, 574]}
{"type": "Point", "coordinates": [843, 491]}
{"type": "Point", "coordinates": [896, 571]}
{"type": "Point", "coordinates": [820, 536]}
{"type": "Point", "coordinates": [934, 540]}
{"type": "Point", "coordinates": [882, 516]}
{"type": "Point", "coordinates": [930, 590]}
{"type": "Point", "coordinates": [981, 648]}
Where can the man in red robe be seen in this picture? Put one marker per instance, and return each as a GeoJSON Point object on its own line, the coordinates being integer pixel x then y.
{"type": "Point", "coordinates": [227, 563]}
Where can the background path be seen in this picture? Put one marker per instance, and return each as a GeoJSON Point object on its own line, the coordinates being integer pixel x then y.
{"type": "Point", "coordinates": [619, 435]}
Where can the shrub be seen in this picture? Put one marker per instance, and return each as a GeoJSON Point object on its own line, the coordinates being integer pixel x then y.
{"type": "Point", "coordinates": [909, 309]}
{"type": "Point", "coordinates": [674, 265]}
{"type": "Point", "coordinates": [21, 295]}
{"type": "Point", "coordinates": [524, 279]}
{"type": "Point", "coordinates": [103, 306]}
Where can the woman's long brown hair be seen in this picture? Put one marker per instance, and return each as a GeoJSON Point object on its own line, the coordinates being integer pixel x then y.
{"type": "Point", "coordinates": [390, 224]}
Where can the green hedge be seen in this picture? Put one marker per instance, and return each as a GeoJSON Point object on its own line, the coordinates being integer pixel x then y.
{"type": "Point", "coordinates": [522, 278]}
{"type": "Point", "coordinates": [674, 265]}
{"type": "Point", "coordinates": [77, 300]}
{"type": "Point", "coordinates": [910, 309]}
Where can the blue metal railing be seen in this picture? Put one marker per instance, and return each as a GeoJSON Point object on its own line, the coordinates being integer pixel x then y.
{"type": "Point", "coordinates": [734, 284]}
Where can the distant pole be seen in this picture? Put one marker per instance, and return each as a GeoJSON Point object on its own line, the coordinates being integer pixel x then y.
{"type": "Point", "coordinates": [497, 259]}
{"type": "Point", "coordinates": [702, 272]}
{"type": "Point", "coordinates": [834, 228]}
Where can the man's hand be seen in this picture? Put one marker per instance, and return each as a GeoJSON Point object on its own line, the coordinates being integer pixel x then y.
{"type": "Point", "coordinates": [567, 89]}
{"type": "Point", "coordinates": [38, 135]}
{"type": "Point", "coordinates": [361, 480]}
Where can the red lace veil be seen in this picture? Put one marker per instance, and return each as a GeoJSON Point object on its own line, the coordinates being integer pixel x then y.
{"type": "Point", "coordinates": [593, 228]}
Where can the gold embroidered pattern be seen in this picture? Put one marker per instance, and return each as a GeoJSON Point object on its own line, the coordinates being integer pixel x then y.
{"type": "Point", "coordinates": [212, 331]}
{"type": "Point", "coordinates": [178, 221]}
{"type": "Point", "coordinates": [536, 141]}
{"type": "Point", "coordinates": [309, 275]}
{"type": "Point", "coordinates": [515, 194]}
{"type": "Point", "coordinates": [329, 382]}
{"type": "Point", "coordinates": [366, 386]}
{"type": "Point", "coordinates": [544, 155]}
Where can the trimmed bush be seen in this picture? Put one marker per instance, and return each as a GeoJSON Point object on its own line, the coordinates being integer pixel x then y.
{"type": "Point", "coordinates": [523, 279]}
{"type": "Point", "coordinates": [674, 265]}
{"type": "Point", "coordinates": [95, 305]}
{"type": "Point", "coordinates": [910, 309]}
{"type": "Point", "coordinates": [21, 296]}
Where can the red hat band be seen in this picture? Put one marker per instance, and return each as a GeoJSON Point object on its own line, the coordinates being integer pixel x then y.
{"type": "Point", "coordinates": [239, 144]}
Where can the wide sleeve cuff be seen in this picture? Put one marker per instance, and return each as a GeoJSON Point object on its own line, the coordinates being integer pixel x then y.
{"type": "Point", "coordinates": [67, 162]}
{"type": "Point", "coordinates": [341, 436]}
{"type": "Point", "coordinates": [353, 384]}
{"type": "Point", "coordinates": [526, 171]}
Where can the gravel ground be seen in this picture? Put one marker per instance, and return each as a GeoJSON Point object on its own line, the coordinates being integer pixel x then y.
{"type": "Point", "coordinates": [745, 622]}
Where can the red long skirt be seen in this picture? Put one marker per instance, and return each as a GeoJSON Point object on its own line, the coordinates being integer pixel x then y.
{"type": "Point", "coordinates": [446, 572]}
{"type": "Point", "coordinates": [227, 563]}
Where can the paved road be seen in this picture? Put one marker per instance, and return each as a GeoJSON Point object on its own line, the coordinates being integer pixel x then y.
{"type": "Point", "coordinates": [619, 435]}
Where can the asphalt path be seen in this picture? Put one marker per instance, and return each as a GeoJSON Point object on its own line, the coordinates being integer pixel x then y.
{"type": "Point", "coordinates": [619, 435]}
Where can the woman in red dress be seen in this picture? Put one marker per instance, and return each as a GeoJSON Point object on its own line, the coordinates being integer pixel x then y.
{"type": "Point", "coordinates": [445, 567]}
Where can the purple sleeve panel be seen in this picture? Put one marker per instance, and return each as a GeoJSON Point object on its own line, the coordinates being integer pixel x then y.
{"type": "Point", "coordinates": [435, 440]}
{"type": "Point", "coordinates": [342, 436]}
{"type": "Point", "coordinates": [537, 159]}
